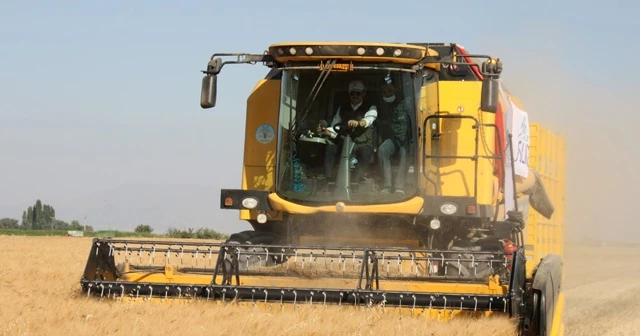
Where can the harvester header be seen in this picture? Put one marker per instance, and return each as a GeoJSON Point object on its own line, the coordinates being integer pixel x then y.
{"type": "Point", "coordinates": [373, 174]}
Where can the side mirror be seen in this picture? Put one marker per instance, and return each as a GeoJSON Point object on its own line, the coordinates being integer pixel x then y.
{"type": "Point", "coordinates": [489, 97]}
{"type": "Point", "coordinates": [208, 93]}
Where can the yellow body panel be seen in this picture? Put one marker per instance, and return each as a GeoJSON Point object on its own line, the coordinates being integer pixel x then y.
{"type": "Point", "coordinates": [411, 206]}
{"type": "Point", "coordinates": [428, 105]}
{"type": "Point", "coordinates": [325, 282]}
{"type": "Point", "coordinates": [258, 172]}
{"type": "Point", "coordinates": [547, 156]}
{"type": "Point", "coordinates": [455, 176]}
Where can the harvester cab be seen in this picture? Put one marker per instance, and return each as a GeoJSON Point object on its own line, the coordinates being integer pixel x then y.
{"type": "Point", "coordinates": [374, 174]}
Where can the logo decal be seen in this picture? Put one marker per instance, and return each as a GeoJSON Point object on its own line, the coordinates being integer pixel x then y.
{"type": "Point", "coordinates": [265, 134]}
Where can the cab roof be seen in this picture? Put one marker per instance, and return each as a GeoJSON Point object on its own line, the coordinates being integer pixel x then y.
{"type": "Point", "coordinates": [403, 53]}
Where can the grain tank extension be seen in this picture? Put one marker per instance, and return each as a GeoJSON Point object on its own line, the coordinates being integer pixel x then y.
{"type": "Point", "coordinates": [396, 174]}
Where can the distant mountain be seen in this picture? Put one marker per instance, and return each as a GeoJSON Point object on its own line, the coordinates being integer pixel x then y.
{"type": "Point", "coordinates": [161, 206]}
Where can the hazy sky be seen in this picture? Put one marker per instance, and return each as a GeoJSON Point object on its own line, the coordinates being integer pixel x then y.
{"type": "Point", "coordinates": [101, 94]}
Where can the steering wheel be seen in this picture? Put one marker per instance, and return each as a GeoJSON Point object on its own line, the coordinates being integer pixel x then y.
{"type": "Point", "coordinates": [342, 128]}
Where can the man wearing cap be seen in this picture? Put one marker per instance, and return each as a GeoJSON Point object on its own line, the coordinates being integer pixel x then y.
{"type": "Point", "coordinates": [395, 134]}
{"type": "Point", "coordinates": [360, 115]}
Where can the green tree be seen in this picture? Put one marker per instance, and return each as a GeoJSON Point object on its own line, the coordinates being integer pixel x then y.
{"type": "Point", "coordinates": [28, 224]}
{"type": "Point", "coordinates": [75, 225]}
{"type": "Point", "coordinates": [143, 228]}
{"type": "Point", "coordinates": [39, 216]}
{"type": "Point", "coordinates": [207, 233]}
{"type": "Point", "coordinates": [60, 225]}
{"type": "Point", "coordinates": [201, 233]}
{"type": "Point", "coordinates": [175, 233]}
{"type": "Point", "coordinates": [48, 215]}
{"type": "Point", "coordinates": [9, 223]}
{"type": "Point", "coordinates": [25, 220]}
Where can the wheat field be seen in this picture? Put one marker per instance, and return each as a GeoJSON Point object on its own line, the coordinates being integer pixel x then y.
{"type": "Point", "coordinates": [602, 288]}
{"type": "Point", "coordinates": [40, 292]}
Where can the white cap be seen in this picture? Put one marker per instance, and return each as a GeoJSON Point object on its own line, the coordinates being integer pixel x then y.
{"type": "Point", "coordinates": [356, 85]}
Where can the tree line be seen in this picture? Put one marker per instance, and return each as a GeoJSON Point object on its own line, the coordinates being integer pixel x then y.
{"type": "Point", "coordinates": [41, 216]}
{"type": "Point", "coordinates": [201, 233]}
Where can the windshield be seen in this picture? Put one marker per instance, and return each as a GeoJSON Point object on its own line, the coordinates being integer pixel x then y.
{"type": "Point", "coordinates": [347, 137]}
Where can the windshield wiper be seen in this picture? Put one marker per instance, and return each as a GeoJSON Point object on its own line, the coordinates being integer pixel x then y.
{"type": "Point", "coordinates": [324, 74]}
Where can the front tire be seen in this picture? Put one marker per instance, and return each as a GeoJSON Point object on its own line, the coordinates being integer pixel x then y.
{"type": "Point", "coordinates": [249, 257]}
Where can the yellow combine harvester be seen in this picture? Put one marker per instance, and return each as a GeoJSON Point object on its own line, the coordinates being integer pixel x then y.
{"type": "Point", "coordinates": [391, 174]}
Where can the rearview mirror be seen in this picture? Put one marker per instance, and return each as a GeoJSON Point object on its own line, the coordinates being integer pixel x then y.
{"type": "Point", "coordinates": [208, 93]}
{"type": "Point", "coordinates": [489, 97]}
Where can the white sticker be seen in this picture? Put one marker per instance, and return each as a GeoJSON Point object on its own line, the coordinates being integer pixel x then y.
{"type": "Point", "coordinates": [265, 134]}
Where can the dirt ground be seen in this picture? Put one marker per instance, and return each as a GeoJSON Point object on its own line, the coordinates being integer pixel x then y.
{"type": "Point", "coordinates": [39, 288]}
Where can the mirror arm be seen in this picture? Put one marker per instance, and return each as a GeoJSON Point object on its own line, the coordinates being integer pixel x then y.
{"type": "Point", "coordinates": [214, 66]}
{"type": "Point", "coordinates": [215, 63]}
{"type": "Point", "coordinates": [490, 68]}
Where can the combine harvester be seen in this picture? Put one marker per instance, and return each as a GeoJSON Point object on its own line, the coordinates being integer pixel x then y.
{"type": "Point", "coordinates": [469, 231]}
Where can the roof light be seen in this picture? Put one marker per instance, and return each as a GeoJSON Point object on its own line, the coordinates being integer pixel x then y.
{"type": "Point", "coordinates": [309, 50]}
{"type": "Point", "coordinates": [361, 51]}
{"type": "Point", "coordinates": [380, 51]}
{"type": "Point", "coordinates": [397, 52]}
{"type": "Point", "coordinates": [280, 51]}
{"type": "Point", "coordinates": [292, 51]}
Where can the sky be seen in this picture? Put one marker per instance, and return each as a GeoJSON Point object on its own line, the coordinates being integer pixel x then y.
{"type": "Point", "coordinates": [96, 95]}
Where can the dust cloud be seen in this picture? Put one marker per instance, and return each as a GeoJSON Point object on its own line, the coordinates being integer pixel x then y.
{"type": "Point", "coordinates": [357, 229]}
{"type": "Point", "coordinates": [593, 108]}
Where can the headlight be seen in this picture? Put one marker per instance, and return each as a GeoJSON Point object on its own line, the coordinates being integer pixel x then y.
{"type": "Point", "coordinates": [448, 208]}
{"type": "Point", "coordinates": [249, 202]}
{"type": "Point", "coordinates": [434, 224]}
